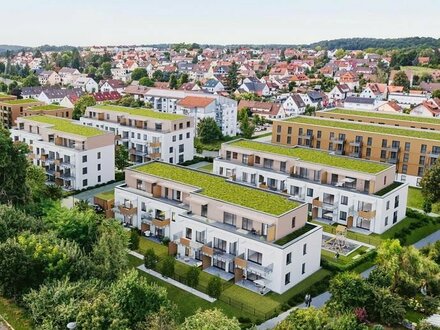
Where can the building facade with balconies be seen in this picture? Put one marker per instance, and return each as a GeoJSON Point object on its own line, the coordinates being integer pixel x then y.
{"type": "Point", "coordinates": [147, 134]}
{"type": "Point", "coordinates": [11, 109]}
{"type": "Point", "coordinates": [73, 156]}
{"type": "Point", "coordinates": [412, 149]}
{"type": "Point", "coordinates": [260, 239]}
{"type": "Point", "coordinates": [359, 194]}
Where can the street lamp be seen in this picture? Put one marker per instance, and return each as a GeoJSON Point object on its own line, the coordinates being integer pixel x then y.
{"type": "Point", "coordinates": [71, 325]}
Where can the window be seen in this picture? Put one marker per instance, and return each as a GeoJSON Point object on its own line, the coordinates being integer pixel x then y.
{"type": "Point", "coordinates": [309, 192]}
{"type": "Point", "coordinates": [289, 140]}
{"type": "Point", "coordinates": [234, 155]}
{"type": "Point", "coordinates": [344, 200]}
{"type": "Point", "coordinates": [368, 153]}
{"type": "Point", "coordinates": [369, 141]}
{"type": "Point", "coordinates": [219, 244]}
{"type": "Point", "coordinates": [388, 205]}
{"type": "Point", "coordinates": [384, 143]}
{"type": "Point", "coordinates": [343, 215]}
{"type": "Point", "coordinates": [395, 217]}
{"type": "Point", "coordinates": [174, 138]}
{"type": "Point", "coordinates": [99, 167]}
{"type": "Point", "coordinates": [386, 221]}
{"type": "Point", "coordinates": [405, 158]}
{"type": "Point", "coordinates": [158, 126]}
{"type": "Point", "coordinates": [318, 144]}
{"type": "Point", "coordinates": [422, 160]}
{"type": "Point", "coordinates": [187, 135]}
{"type": "Point", "coordinates": [396, 201]}
{"type": "Point", "coordinates": [420, 171]}
{"type": "Point", "coordinates": [180, 137]}
{"type": "Point", "coordinates": [279, 129]}
{"type": "Point", "coordinates": [304, 249]}
{"type": "Point", "coordinates": [181, 158]}
{"type": "Point", "coordinates": [188, 124]}
{"type": "Point", "coordinates": [181, 148]}
{"type": "Point", "coordinates": [293, 222]}
{"type": "Point", "coordinates": [99, 178]}
{"type": "Point", "coordinates": [188, 233]}
{"type": "Point", "coordinates": [407, 146]}
{"type": "Point", "coordinates": [289, 258]}
{"type": "Point", "coordinates": [171, 150]}
{"type": "Point", "coordinates": [383, 154]}
{"type": "Point", "coordinates": [84, 182]}
{"type": "Point", "coordinates": [289, 130]}
{"type": "Point", "coordinates": [84, 159]}
{"type": "Point", "coordinates": [283, 166]}
{"type": "Point", "coordinates": [84, 171]}
{"type": "Point", "coordinates": [423, 148]}
{"type": "Point", "coordinates": [229, 218]}
{"type": "Point", "coordinates": [404, 168]}
{"type": "Point", "coordinates": [268, 163]}
{"type": "Point", "coordinates": [245, 159]}
{"type": "Point", "coordinates": [278, 138]}
{"type": "Point", "coordinates": [200, 236]}
{"type": "Point", "coordinates": [247, 224]}
{"type": "Point", "coordinates": [287, 279]}
{"type": "Point", "coordinates": [180, 125]}
{"type": "Point", "coordinates": [255, 256]}
{"type": "Point", "coordinates": [303, 268]}
{"type": "Point", "coordinates": [319, 134]}
{"type": "Point", "coordinates": [171, 160]}
{"type": "Point", "coordinates": [99, 155]}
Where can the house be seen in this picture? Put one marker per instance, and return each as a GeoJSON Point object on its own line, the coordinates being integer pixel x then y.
{"type": "Point", "coordinates": [413, 97]}
{"type": "Point", "coordinates": [213, 86]}
{"type": "Point", "coordinates": [136, 91]}
{"type": "Point", "coordinates": [49, 78]}
{"type": "Point", "coordinates": [253, 85]}
{"type": "Point", "coordinates": [50, 96]}
{"type": "Point", "coordinates": [376, 91]}
{"type": "Point", "coordinates": [111, 85]}
{"type": "Point", "coordinates": [300, 79]}
{"type": "Point", "coordinates": [429, 87]}
{"type": "Point", "coordinates": [390, 106]}
{"type": "Point", "coordinates": [86, 84]}
{"type": "Point", "coordinates": [354, 102]}
{"type": "Point", "coordinates": [190, 86]}
{"type": "Point", "coordinates": [31, 92]}
{"type": "Point", "coordinates": [350, 79]}
{"type": "Point", "coordinates": [268, 110]}
{"type": "Point", "coordinates": [339, 92]}
{"type": "Point", "coordinates": [314, 98]}
{"type": "Point", "coordinates": [68, 75]}
{"type": "Point", "coordinates": [294, 105]}
{"type": "Point", "coordinates": [121, 74]}
{"type": "Point", "coordinates": [429, 108]}
{"type": "Point", "coordinates": [101, 97]}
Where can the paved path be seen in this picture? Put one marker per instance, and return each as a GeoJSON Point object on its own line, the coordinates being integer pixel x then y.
{"type": "Point", "coordinates": [198, 165]}
{"type": "Point", "coordinates": [171, 281]}
{"type": "Point", "coordinates": [69, 202]}
{"type": "Point", "coordinates": [320, 300]}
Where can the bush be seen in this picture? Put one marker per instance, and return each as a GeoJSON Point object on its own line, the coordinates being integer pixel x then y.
{"type": "Point", "coordinates": [314, 291]}
{"type": "Point", "coordinates": [167, 268]}
{"type": "Point", "coordinates": [134, 239]}
{"type": "Point", "coordinates": [192, 276]}
{"type": "Point", "coordinates": [430, 304]}
{"type": "Point", "coordinates": [150, 259]}
{"type": "Point", "coordinates": [166, 241]}
{"type": "Point", "coordinates": [215, 287]}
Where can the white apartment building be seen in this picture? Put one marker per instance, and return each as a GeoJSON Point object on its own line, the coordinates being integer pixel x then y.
{"type": "Point", "coordinates": [223, 109]}
{"type": "Point", "coordinates": [74, 156]}
{"type": "Point", "coordinates": [338, 189]}
{"type": "Point", "coordinates": [147, 134]}
{"type": "Point", "coordinates": [258, 238]}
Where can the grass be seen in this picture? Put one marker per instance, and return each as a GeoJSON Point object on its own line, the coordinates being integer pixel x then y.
{"type": "Point", "coordinates": [363, 127]}
{"type": "Point", "coordinates": [47, 107]}
{"type": "Point", "coordinates": [213, 145]}
{"type": "Point", "coordinates": [66, 125]}
{"type": "Point", "coordinates": [217, 187]}
{"type": "Point", "coordinates": [418, 70]}
{"type": "Point", "coordinates": [377, 114]}
{"type": "Point", "coordinates": [415, 200]}
{"type": "Point", "coordinates": [21, 101]}
{"type": "Point", "coordinates": [343, 260]}
{"type": "Point", "coordinates": [140, 112]}
{"type": "Point", "coordinates": [207, 168]}
{"type": "Point", "coordinates": [14, 315]}
{"type": "Point", "coordinates": [389, 188]}
{"type": "Point", "coordinates": [313, 156]}
{"type": "Point", "coordinates": [414, 316]}
{"type": "Point", "coordinates": [297, 233]}
{"type": "Point", "coordinates": [106, 195]}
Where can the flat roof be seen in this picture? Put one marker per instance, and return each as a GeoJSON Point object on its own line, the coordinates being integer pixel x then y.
{"type": "Point", "coordinates": [148, 113]}
{"type": "Point", "coordinates": [364, 127]}
{"type": "Point", "coordinates": [20, 101]}
{"type": "Point", "coordinates": [218, 187]}
{"type": "Point", "coordinates": [377, 114]}
{"type": "Point", "coordinates": [47, 107]}
{"type": "Point", "coordinates": [66, 125]}
{"type": "Point", "coordinates": [313, 156]}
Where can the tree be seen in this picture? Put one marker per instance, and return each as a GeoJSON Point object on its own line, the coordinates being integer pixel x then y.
{"type": "Point", "coordinates": [430, 183]}
{"type": "Point", "coordinates": [121, 157]}
{"type": "Point", "coordinates": [208, 130]}
{"type": "Point", "coordinates": [232, 78]}
{"type": "Point", "coordinates": [436, 93]}
{"type": "Point", "coordinates": [184, 78]}
{"type": "Point", "coordinates": [192, 276]}
{"type": "Point", "coordinates": [340, 53]}
{"type": "Point", "coordinates": [215, 287]}
{"type": "Point", "coordinates": [139, 73]}
{"type": "Point", "coordinates": [150, 259]}
{"type": "Point", "coordinates": [134, 239]}
{"type": "Point", "coordinates": [309, 110]}
{"type": "Point", "coordinates": [13, 170]}
{"type": "Point", "coordinates": [146, 81]}
{"type": "Point", "coordinates": [164, 319]}
{"type": "Point", "coordinates": [210, 319]}
{"type": "Point", "coordinates": [14, 221]}
{"type": "Point", "coordinates": [31, 81]}
{"type": "Point", "coordinates": [307, 319]}
{"type": "Point", "coordinates": [158, 75]}
{"type": "Point", "coordinates": [247, 127]}
{"type": "Point", "coordinates": [36, 182]}
{"type": "Point", "coordinates": [81, 105]}
{"type": "Point", "coordinates": [401, 79]}
{"type": "Point", "coordinates": [167, 267]}
{"type": "Point", "coordinates": [387, 307]}
{"type": "Point", "coordinates": [173, 81]}
{"type": "Point", "coordinates": [106, 69]}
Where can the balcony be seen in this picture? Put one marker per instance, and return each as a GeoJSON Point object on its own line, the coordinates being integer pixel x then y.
{"type": "Point", "coordinates": [355, 154]}
{"type": "Point", "coordinates": [316, 203]}
{"type": "Point", "coordinates": [337, 140]}
{"type": "Point", "coordinates": [367, 214]}
{"type": "Point", "coordinates": [356, 143]}
{"type": "Point", "coordinates": [155, 155]}
{"type": "Point", "coordinates": [66, 164]}
{"type": "Point", "coordinates": [100, 116]}
{"type": "Point", "coordinates": [434, 155]}
{"type": "Point", "coordinates": [161, 223]}
{"type": "Point", "coordinates": [207, 250]}
{"type": "Point", "coordinates": [127, 209]}
{"type": "Point", "coordinates": [44, 157]}
{"type": "Point", "coordinates": [392, 148]}
{"type": "Point", "coordinates": [138, 152]}
{"type": "Point", "coordinates": [393, 160]}
{"type": "Point", "coordinates": [155, 144]}
{"type": "Point", "coordinates": [306, 136]}
{"type": "Point", "coordinates": [240, 262]}
{"type": "Point", "coordinates": [67, 176]}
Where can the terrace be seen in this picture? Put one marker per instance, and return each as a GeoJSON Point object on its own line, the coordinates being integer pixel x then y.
{"type": "Point", "coordinates": [313, 156]}
{"type": "Point", "coordinates": [364, 127]}
{"type": "Point", "coordinates": [149, 113]}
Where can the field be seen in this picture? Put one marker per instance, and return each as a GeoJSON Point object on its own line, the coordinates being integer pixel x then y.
{"type": "Point", "coordinates": [418, 70]}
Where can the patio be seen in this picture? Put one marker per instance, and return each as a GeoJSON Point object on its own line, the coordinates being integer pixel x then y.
{"type": "Point", "coordinates": [250, 285]}
{"type": "Point", "coordinates": [224, 275]}
{"type": "Point", "coordinates": [189, 261]}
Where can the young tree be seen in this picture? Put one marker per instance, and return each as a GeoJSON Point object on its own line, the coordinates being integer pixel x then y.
{"type": "Point", "coordinates": [247, 127]}
{"type": "Point", "coordinates": [192, 276]}
{"type": "Point", "coordinates": [430, 183]}
{"type": "Point", "coordinates": [164, 319]}
{"type": "Point", "coordinates": [173, 81]}
{"type": "Point", "coordinates": [139, 73]}
{"type": "Point", "coordinates": [134, 239]}
{"type": "Point", "coordinates": [167, 267]}
{"type": "Point", "coordinates": [210, 319]}
{"type": "Point", "coordinates": [232, 78]}
{"type": "Point", "coordinates": [401, 79]}
{"type": "Point", "coordinates": [215, 287]}
{"type": "Point", "coordinates": [121, 157]}
{"type": "Point", "coordinates": [208, 130]}
{"type": "Point", "coordinates": [81, 105]}
{"type": "Point", "coordinates": [150, 259]}
{"type": "Point", "coordinates": [146, 81]}
{"type": "Point", "coordinates": [36, 182]}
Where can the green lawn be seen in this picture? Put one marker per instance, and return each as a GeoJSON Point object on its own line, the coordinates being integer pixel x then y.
{"type": "Point", "coordinates": [207, 168]}
{"type": "Point", "coordinates": [14, 315]}
{"type": "Point", "coordinates": [415, 200]}
{"type": "Point", "coordinates": [418, 70]}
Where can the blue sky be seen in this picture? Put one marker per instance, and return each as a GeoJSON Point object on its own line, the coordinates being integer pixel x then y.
{"type": "Point", "coordinates": [100, 22]}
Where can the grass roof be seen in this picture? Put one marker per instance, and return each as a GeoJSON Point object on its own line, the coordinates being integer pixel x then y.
{"type": "Point", "coordinates": [295, 234]}
{"type": "Point", "coordinates": [377, 114]}
{"type": "Point", "coordinates": [314, 156]}
{"type": "Point", "coordinates": [21, 101]}
{"type": "Point", "coordinates": [363, 127]}
{"type": "Point", "coordinates": [141, 112]}
{"type": "Point", "coordinates": [217, 187]}
{"type": "Point", "coordinates": [106, 195]}
{"type": "Point", "coordinates": [66, 125]}
{"type": "Point", "coordinates": [47, 107]}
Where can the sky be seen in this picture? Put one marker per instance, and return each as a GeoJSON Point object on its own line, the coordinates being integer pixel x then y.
{"type": "Point", "coordinates": [129, 22]}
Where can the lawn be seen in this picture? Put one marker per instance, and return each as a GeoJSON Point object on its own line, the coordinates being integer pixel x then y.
{"type": "Point", "coordinates": [415, 200]}
{"type": "Point", "coordinates": [343, 260]}
{"type": "Point", "coordinates": [418, 70]}
{"type": "Point", "coordinates": [67, 126]}
{"type": "Point", "coordinates": [213, 145]}
{"type": "Point", "coordinates": [207, 168]}
{"type": "Point", "coordinates": [14, 315]}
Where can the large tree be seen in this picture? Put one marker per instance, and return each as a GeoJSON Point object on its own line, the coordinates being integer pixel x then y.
{"type": "Point", "coordinates": [139, 73]}
{"type": "Point", "coordinates": [232, 78]}
{"type": "Point", "coordinates": [210, 319]}
{"type": "Point", "coordinates": [208, 130]}
{"type": "Point", "coordinates": [430, 183]}
{"type": "Point", "coordinates": [401, 79]}
{"type": "Point", "coordinates": [81, 105]}
{"type": "Point", "coordinates": [121, 157]}
{"type": "Point", "coordinates": [30, 81]}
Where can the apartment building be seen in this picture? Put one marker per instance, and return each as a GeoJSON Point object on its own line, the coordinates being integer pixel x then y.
{"type": "Point", "coordinates": [147, 134]}
{"type": "Point", "coordinates": [10, 110]}
{"type": "Point", "coordinates": [358, 194]}
{"type": "Point", "coordinates": [194, 104]}
{"type": "Point", "coordinates": [258, 238]}
{"type": "Point", "coordinates": [412, 150]}
{"type": "Point", "coordinates": [50, 110]}
{"type": "Point", "coordinates": [74, 156]}
{"type": "Point", "coordinates": [7, 97]}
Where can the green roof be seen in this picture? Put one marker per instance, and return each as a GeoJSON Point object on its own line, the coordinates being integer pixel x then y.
{"type": "Point", "coordinates": [295, 234]}
{"type": "Point", "coordinates": [363, 127]}
{"type": "Point", "coordinates": [47, 107]}
{"type": "Point", "coordinates": [377, 114]}
{"type": "Point", "coordinates": [217, 187]}
{"type": "Point", "coordinates": [313, 156]}
{"type": "Point", "coordinates": [106, 195]}
{"type": "Point", "coordinates": [67, 126]}
{"type": "Point", "coordinates": [21, 101]}
{"type": "Point", "coordinates": [149, 113]}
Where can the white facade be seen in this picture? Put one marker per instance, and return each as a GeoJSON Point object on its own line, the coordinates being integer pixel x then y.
{"type": "Point", "coordinates": [291, 107]}
{"type": "Point", "coordinates": [408, 99]}
{"type": "Point", "coordinates": [86, 84]}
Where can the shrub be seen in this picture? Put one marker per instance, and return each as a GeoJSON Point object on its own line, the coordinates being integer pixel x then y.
{"type": "Point", "coordinates": [167, 268]}
{"type": "Point", "coordinates": [215, 287]}
{"type": "Point", "coordinates": [150, 259]}
{"type": "Point", "coordinates": [166, 241]}
{"type": "Point", "coordinates": [192, 276]}
{"type": "Point", "coordinates": [134, 239]}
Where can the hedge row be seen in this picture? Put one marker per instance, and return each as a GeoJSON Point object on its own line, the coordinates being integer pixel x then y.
{"type": "Point", "coordinates": [335, 267]}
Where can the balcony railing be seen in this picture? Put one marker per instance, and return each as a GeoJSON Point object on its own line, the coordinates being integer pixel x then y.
{"type": "Point", "coordinates": [127, 209]}
{"type": "Point", "coordinates": [355, 143]}
{"type": "Point", "coordinates": [367, 214]}
{"type": "Point", "coordinates": [161, 223]}
{"type": "Point", "coordinates": [337, 140]}
{"type": "Point", "coordinates": [155, 144]}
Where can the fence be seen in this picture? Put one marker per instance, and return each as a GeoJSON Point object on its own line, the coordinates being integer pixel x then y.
{"type": "Point", "coordinates": [368, 239]}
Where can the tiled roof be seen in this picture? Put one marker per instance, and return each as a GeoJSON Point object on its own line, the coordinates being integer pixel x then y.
{"type": "Point", "coordinates": [195, 102]}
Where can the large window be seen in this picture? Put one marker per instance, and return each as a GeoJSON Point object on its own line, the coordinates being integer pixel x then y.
{"type": "Point", "coordinates": [255, 256]}
{"type": "Point", "coordinates": [200, 236]}
{"type": "Point", "coordinates": [247, 224]}
{"type": "Point", "coordinates": [229, 218]}
{"type": "Point", "coordinates": [219, 244]}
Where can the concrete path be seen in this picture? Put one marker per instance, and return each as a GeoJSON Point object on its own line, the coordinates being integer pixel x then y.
{"type": "Point", "coordinates": [434, 237]}
{"type": "Point", "coordinates": [171, 281]}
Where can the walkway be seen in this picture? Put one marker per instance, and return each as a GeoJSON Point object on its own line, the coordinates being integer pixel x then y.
{"type": "Point", "coordinates": [320, 300]}
{"type": "Point", "coordinates": [171, 281]}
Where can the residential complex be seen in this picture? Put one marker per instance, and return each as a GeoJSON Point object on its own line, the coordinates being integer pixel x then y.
{"type": "Point", "coordinates": [11, 109]}
{"type": "Point", "coordinates": [412, 150]}
{"type": "Point", "coordinates": [147, 134]}
{"type": "Point", "coordinates": [358, 194]}
{"type": "Point", "coordinates": [50, 110]}
{"type": "Point", "coordinates": [74, 156]}
{"type": "Point", "coordinates": [238, 232]}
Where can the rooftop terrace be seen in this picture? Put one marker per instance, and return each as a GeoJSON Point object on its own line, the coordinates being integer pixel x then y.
{"type": "Point", "coordinates": [377, 114]}
{"type": "Point", "coordinates": [217, 187]}
{"type": "Point", "coordinates": [363, 127]}
{"type": "Point", "coordinates": [20, 101]}
{"type": "Point", "coordinates": [148, 113]}
{"type": "Point", "coordinates": [66, 126]}
{"type": "Point", "coordinates": [47, 107]}
{"type": "Point", "coordinates": [313, 156]}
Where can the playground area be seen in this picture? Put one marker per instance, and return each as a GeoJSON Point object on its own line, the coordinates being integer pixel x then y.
{"type": "Point", "coordinates": [339, 243]}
